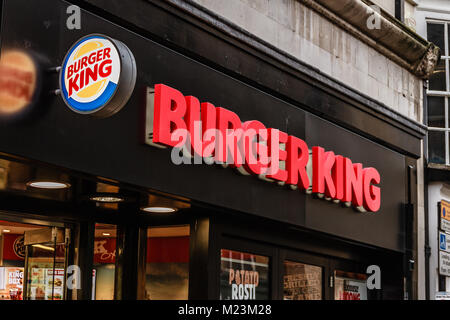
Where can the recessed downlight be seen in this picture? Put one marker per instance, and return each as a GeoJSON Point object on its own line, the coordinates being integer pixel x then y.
{"type": "Point", "coordinates": [159, 209]}
{"type": "Point", "coordinates": [107, 199]}
{"type": "Point", "coordinates": [52, 185]}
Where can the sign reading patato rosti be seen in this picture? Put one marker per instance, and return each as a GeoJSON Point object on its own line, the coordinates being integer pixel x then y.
{"type": "Point", "coordinates": [97, 76]}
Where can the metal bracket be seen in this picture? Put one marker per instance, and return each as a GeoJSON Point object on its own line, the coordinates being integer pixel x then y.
{"type": "Point", "coordinates": [411, 264]}
{"type": "Point", "coordinates": [54, 69]}
{"type": "Point", "coordinates": [427, 250]}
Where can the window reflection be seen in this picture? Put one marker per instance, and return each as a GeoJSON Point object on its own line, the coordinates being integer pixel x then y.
{"type": "Point", "coordinates": [437, 81]}
{"type": "Point", "coordinates": [438, 101]}
{"type": "Point", "coordinates": [435, 34]}
{"type": "Point", "coordinates": [104, 262]}
{"type": "Point", "coordinates": [436, 112]}
{"type": "Point", "coordinates": [436, 146]}
{"type": "Point", "coordinates": [302, 281]}
{"type": "Point", "coordinates": [167, 263]}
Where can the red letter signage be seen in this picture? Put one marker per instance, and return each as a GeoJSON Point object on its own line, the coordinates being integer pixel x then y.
{"type": "Point", "coordinates": [217, 133]}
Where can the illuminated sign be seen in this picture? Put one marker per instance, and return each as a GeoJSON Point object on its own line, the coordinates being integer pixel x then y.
{"type": "Point", "coordinates": [97, 76]}
{"type": "Point", "coordinates": [19, 247]}
{"type": "Point", "coordinates": [216, 134]}
{"type": "Point", "coordinates": [18, 82]}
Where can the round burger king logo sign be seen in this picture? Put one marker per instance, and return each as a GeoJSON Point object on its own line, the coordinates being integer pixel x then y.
{"type": "Point", "coordinates": [97, 76]}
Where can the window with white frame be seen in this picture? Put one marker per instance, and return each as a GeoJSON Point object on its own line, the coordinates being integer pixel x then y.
{"type": "Point", "coordinates": [438, 95]}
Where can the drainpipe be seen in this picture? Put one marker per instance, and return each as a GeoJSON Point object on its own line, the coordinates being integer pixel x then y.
{"type": "Point", "coordinates": [427, 249]}
{"type": "Point", "coordinates": [409, 259]}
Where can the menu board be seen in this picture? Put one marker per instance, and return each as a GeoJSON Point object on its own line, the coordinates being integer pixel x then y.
{"type": "Point", "coordinates": [42, 282]}
{"type": "Point", "coordinates": [58, 281]}
{"type": "Point", "coordinates": [37, 284]}
{"type": "Point", "coordinates": [243, 276]}
{"type": "Point", "coordinates": [11, 283]}
{"type": "Point", "coordinates": [302, 281]}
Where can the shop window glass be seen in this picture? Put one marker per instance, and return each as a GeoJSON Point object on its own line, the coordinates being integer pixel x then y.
{"type": "Point", "coordinates": [435, 33]}
{"type": "Point", "coordinates": [302, 281]}
{"type": "Point", "coordinates": [350, 286]}
{"type": "Point", "coordinates": [437, 81]}
{"type": "Point", "coordinates": [104, 262]}
{"type": "Point", "coordinates": [45, 272]}
{"type": "Point", "coordinates": [167, 263]}
{"type": "Point", "coordinates": [438, 149]}
{"type": "Point", "coordinates": [32, 262]}
{"type": "Point", "coordinates": [243, 276]}
{"type": "Point", "coordinates": [436, 146]}
{"type": "Point", "coordinates": [436, 112]}
{"type": "Point", "coordinates": [12, 261]}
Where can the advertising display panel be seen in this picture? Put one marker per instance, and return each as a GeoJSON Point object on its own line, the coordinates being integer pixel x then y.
{"type": "Point", "coordinates": [243, 276]}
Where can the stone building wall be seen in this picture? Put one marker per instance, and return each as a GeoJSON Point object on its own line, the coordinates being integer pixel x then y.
{"type": "Point", "coordinates": [298, 30]}
{"type": "Point", "coordinates": [387, 5]}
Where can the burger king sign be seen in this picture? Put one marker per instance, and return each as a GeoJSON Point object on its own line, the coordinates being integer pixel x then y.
{"type": "Point", "coordinates": [97, 76]}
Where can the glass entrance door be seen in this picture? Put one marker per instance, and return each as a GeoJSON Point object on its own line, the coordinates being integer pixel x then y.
{"type": "Point", "coordinates": [45, 263]}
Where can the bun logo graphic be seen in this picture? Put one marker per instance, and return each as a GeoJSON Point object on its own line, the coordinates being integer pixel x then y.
{"type": "Point", "coordinates": [19, 247]}
{"type": "Point", "coordinates": [97, 76]}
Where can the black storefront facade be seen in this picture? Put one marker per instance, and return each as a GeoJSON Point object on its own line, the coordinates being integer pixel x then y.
{"type": "Point", "coordinates": [227, 213]}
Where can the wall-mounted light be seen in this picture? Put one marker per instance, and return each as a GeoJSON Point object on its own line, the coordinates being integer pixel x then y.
{"type": "Point", "coordinates": [158, 209]}
{"type": "Point", "coordinates": [52, 185]}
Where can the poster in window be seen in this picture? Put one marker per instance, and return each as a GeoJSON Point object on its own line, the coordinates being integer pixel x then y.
{"type": "Point", "coordinates": [54, 284]}
{"type": "Point", "coordinates": [243, 276]}
{"type": "Point", "coordinates": [350, 286]}
{"type": "Point", "coordinates": [302, 281]}
{"type": "Point", "coordinates": [11, 283]}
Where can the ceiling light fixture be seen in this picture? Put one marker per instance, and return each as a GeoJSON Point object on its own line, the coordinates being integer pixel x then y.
{"type": "Point", "coordinates": [107, 199]}
{"type": "Point", "coordinates": [52, 185]}
{"type": "Point", "coordinates": [6, 230]}
{"type": "Point", "coordinates": [159, 209]}
{"type": "Point", "coordinates": [106, 234]}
